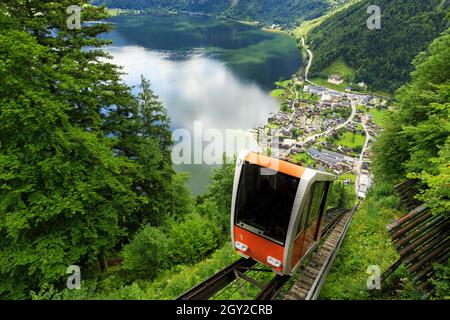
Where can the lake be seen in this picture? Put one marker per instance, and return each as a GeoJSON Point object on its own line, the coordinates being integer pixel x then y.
{"type": "Point", "coordinates": [215, 73]}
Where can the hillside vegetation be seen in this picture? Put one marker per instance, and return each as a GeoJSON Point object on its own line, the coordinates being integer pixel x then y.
{"type": "Point", "coordinates": [416, 140]}
{"type": "Point", "coordinates": [416, 143]}
{"type": "Point", "coordinates": [86, 174]}
{"type": "Point", "coordinates": [267, 11]}
{"type": "Point", "coordinates": [380, 58]}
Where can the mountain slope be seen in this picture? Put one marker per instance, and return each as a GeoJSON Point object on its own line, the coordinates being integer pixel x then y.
{"type": "Point", "coordinates": [381, 58]}
{"type": "Point", "coordinates": [268, 11]}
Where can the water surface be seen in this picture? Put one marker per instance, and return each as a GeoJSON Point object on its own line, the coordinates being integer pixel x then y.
{"type": "Point", "coordinates": [203, 69]}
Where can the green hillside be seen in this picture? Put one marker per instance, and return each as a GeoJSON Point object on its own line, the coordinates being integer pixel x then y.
{"type": "Point", "coordinates": [381, 58]}
{"type": "Point", "coordinates": [267, 11]}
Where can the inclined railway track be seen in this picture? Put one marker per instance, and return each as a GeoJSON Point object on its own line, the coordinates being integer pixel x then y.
{"type": "Point", "coordinates": [313, 271]}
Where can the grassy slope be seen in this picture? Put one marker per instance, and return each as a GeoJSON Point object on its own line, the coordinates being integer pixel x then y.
{"type": "Point", "coordinates": [307, 26]}
{"type": "Point", "coordinates": [351, 140]}
{"type": "Point", "coordinates": [341, 68]}
{"type": "Point", "coordinates": [379, 116]}
{"type": "Point", "coordinates": [367, 243]}
{"type": "Point", "coordinates": [326, 84]}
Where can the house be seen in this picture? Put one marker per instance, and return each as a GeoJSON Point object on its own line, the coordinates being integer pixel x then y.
{"type": "Point", "coordinates": [314, 153]}
{"type": "Point", "coordinates": [275, 26]}
{"type": "Point", "coordinates": [288, 143]}
{"type": "Point", "coordinates": [335, 79]}
{"type": "Point", "coordinates": [364, 100]}
{"type": "Point", "coordinates": [313, 89]}
{"type": "Point", "coordinates": [338, 157]}
{"type": "Point", "coordinates": [286, 132]}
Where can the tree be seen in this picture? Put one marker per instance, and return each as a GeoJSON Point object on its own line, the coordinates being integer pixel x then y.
{"type": "Point", "coordinates": [62, 192]}
{"type": "Point", "coordinates": [415, 142]}
{"type": "Point", "coordinates": [437, 196]}
{"type": "Point", "coordinates": [148, 140]}
{"type": "Point", "coordinates": [216, 203]}
{"type": "Point", "coordinates": [418, 128]}
{"type": "Point", "coordinates": [155, 122]}
{"type": "Point", "coordinates": [146, 254]}
{"type": "Point", "coordinates": [81, 166]}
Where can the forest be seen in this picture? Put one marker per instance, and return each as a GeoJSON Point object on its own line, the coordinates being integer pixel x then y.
{"type": "Point", "coordinates": [381, 58]}
{"type": "Point", "coordinates": [267, 11]}
{"type": "Point", "coordinates": [416, 140]}
{"type": "Point", "coordinates": [86, 175]}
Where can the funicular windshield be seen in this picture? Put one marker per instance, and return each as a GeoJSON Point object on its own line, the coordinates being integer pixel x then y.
{"type": "Point", "coordinates": [265, 200]}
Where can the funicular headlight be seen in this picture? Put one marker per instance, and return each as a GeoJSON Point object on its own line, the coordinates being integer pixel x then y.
{"type": "Point", "coordinates": [274, 262]}
{"type": "Point", "coordinates": [240, 246]}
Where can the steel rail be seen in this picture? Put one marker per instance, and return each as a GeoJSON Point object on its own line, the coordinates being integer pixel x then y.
{"type": "Point", "coordinates": [219, 281]}
{"type": "Point", "coordinates": [314, 292]}
{"type": "Point", "coordinates": [214, 284]}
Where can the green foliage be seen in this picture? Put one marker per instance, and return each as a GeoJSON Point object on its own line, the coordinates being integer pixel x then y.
{"type": "Point", "coordinates": [342, 196]}
{"type": "Point", "coordinates": [216, 203]}
{"type": "Point", "coordinates": [441, 281]}
{"type": "Point", "coordinates": [154, 118]}
{"type": "Point", "coordinates": [62, 192]}
{"type": "Point", "coordinates": [268, 11]}
{"type": "Point", "coordinates": [146, 254]}
{"type": "Point", "coordinates": [191, 240]}
{"type": "Point", "coordinates": [438, 191]}
{"type": "Point", "coordinates": [179, 242]}
{"type": "Point", "coordinates": [367, 243]}
{"type": "Point", "coordinates": [415, 141]}
{"type": "Point", "coordinates": [83, 163]}
{"type": "Point", "coordinates": [303, 159]}
{"type": "Point", "coordinates": [381, 58]}
{"type": "Point", "coordinates": [166, 286]}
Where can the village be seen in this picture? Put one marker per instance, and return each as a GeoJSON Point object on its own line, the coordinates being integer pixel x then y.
{"type": "Point", "coordinates": [326, 130]}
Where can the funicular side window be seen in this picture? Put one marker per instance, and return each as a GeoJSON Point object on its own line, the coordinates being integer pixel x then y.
{"type": "Point", "coordinates": [313, 205]}
{"type": "Point", "coordinates": [317, 198]}
{"type": "Point", "coordinates": [264, 202]}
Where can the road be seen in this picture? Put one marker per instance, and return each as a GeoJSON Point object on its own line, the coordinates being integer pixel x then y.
{"type": "Point", "coordinates": [326, 133]}
{"type": "Point", "coordinates": [361, 158]}
{"type": "Point", "coordinates": [311, 57]}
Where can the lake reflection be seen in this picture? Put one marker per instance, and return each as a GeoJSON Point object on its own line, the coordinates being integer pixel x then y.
{"type": "Point", "coordinates": [224, 87]}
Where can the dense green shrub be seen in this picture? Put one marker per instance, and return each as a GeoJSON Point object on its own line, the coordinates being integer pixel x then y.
{"type": "Point", "coordinates": [441, 282]}
{"type": "Point", "coordinates": [216, 203]}
{"type": "Point", "coordinates": [147, 253]}
{"type": "Point", "coordinates": [179, 242]}
{"type": "Point", "coordinates": [341, 196]}
{"type": "Point", "coordinates": [191, 240]}
{"type": "Point", "coordinates": [166, 286]}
